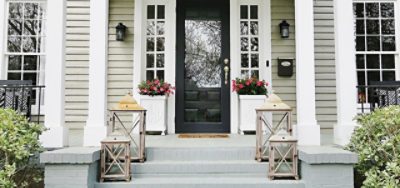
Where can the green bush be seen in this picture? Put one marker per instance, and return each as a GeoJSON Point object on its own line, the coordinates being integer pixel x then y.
{"type": "Point", "coordinates": [19, 145]}
{"type": "Point", "coordinates": [377, 143]}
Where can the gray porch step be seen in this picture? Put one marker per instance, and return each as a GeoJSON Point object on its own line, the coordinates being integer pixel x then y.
{"type": "Point", "coordinates": [200, 153]}
{"type": "Point", "coordinates": [210, 181]}
{"type": "Point", "coordinates": [200, 167]}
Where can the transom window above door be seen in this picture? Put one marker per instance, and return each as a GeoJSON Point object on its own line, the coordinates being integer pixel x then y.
{"type": "Point", "coordinates": [376, 46]}
{"type": "Point", "coordinates": [155, 42]}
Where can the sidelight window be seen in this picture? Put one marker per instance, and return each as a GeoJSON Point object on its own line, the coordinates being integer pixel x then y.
{"type": "Point", "coordinates": [155, 42]}
{"type": "Point", "coordinates": [249, 41]}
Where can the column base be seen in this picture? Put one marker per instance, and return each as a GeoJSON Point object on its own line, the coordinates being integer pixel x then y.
{"type": "Point", "coordinates": [308, 135]}
{"type": "Point", "coordinates": [342, 133]}
{"type": "Point", "coordinates": [93, 135]}
{"type": "Point", "coordinates": [55, 137]}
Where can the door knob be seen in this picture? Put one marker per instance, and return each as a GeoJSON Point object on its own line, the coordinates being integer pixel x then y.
{"type": "Point", "coordinates": [226, 61]}
{"type": "Point", "coordinates": [226, 70]}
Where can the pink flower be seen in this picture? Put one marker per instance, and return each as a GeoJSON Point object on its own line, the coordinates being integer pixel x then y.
{"type": "Point", "coordinates": [248, 82]}
{"type": "Point", "coordinates": [156, 82]}
{"type": "Point", "coordinates": [266, 83]}
{"type": "Point", "coordinates": [260, 83]}
{"type": "Point", "coordinates": [241, 86]}
{"type": "Point", "coordinates": [161, 89]}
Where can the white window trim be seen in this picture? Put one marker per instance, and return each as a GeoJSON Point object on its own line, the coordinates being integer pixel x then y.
{"type": "Point", "coordinates": [4, 52]}
{"type": "Point", "coordinates": [139, 59]}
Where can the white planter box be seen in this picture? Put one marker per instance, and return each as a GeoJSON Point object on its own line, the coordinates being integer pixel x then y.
{"type": "Point", "coordinates": [156, 115]}
{"type": "Point", "coordinates": [247, 111]}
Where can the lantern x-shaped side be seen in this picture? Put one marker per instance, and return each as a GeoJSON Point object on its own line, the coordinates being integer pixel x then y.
{"type": "Point", "coordinates": [266, 128]}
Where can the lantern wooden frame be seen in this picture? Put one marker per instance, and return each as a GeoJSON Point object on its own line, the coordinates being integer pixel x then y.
{"type": "Point", "coordinates": [265, 130]}
{"type": "Point", "coordinates": [138, 150]}
{"type": "Point", "coordinates": [115, 156]}
{"type": "Point", "coordinates": [285, 157]}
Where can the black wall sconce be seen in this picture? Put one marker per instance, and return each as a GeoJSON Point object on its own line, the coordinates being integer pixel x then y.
{"type": "Point", "coordinates": [284, 27]}
{"type": "Point", "coordinates": [121, 30]}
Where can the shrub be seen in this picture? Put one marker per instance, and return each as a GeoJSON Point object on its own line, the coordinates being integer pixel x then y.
{"type": "Point", "coordinates": [377, 143]}
{"type": "Point", "coordinates": [19, 145]}
{"type": "Point", "coordinates": [251, 86]}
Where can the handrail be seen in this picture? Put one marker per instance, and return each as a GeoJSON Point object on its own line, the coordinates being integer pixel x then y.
{"type": "Point", "coordinates": [22, 98]}
{"type": "Point", "coordinates": [378, 95]}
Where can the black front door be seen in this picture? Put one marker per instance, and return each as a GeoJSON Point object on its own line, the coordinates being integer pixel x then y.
{"type": "Point", "coordinates": [202, 91]}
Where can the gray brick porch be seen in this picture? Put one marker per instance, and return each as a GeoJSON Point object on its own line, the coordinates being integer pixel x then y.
{"type": "Point", "coordinates": [187, 163]}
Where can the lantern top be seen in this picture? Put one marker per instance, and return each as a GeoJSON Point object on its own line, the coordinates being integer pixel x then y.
{"type": "Point", "coordinates": [274, 103]}
{"type": "Point", "coordinates": [282, 136]}
{"type": "Point", "coordinates": [121, 26]}
{"type": "Point", "coordinates": [284, 24]}
{"type": "Point", "coordinates": [128, 103]}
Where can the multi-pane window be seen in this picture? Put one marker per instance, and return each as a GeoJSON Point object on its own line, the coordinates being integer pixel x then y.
{"type": "Point", "coordinates": [249, 41]}
{"type": "Point", "coordinates": [25, 41]}
{"type": "Point", "coordinates": [376, 51]}
{"type": "Point", "coordinates": [155, 42]}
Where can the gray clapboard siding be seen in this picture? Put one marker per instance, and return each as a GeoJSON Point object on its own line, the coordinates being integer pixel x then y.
{"type": "Point", "coordinates": [283, 86]}
{"type": "Point", "coordinates": [77, 64]}
{"type": "Point", "coordinates": [325, 63]}
{"type": "Point", "coordinates": [120, 54]}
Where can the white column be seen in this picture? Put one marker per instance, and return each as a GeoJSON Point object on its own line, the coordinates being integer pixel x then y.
{"type": "Point", "coordinates": [96, 125]}
{"type": "Point", "coordinates": [346, 79]}
{"type": "Point", "coordinates": [57, 134]}
{"type": "Point", "coordinates": [138, 49]}
{"type": "Point", "coordinates": [307, 129]}
{"type": "Point", "coordinates": [3, 22]}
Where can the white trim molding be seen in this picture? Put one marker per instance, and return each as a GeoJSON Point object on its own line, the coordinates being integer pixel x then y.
{"type": "Point", "coordinates": [96, 125]}
{"type": "Point", "coordinates": [3, 31]}
{"type": "Point", "coordinates": [307, 129]}
{"type": "Point", "coordinates": [139, 50]}
{"type": "Point", "coordinates": [57, 134]}
{"type": "Point", "coordinates": [346, 78]}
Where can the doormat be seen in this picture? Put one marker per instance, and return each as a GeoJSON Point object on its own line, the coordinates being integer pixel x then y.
{"type": "Point", "coordinates": [203, 136]}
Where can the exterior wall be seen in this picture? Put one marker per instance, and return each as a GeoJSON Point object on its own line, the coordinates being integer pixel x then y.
{"type": "Point", "coordinates": [325, 79]}
{"type": "Point", "coordinates": [285, 87]}
{"type": "Point", "coordinates": [77, 68]}
{"type": "Point", "coordinates": [120, 53]}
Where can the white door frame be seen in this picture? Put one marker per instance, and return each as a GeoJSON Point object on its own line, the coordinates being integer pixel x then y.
{"type": "Point", "coordinates": [170, 46]}
{"type": "Point", "coordinates": [265, 49]}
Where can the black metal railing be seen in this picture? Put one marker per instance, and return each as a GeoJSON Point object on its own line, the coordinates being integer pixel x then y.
{"type": "Point", "coordinates": [22, 97]}
{"type": "Point", "coordinates": [377, 95]}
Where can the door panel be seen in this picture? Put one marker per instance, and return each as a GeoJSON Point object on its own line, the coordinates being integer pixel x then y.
{"type": "Point", "coordinates": [203, 98]}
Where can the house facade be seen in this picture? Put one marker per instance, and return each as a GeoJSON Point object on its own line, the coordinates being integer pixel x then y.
{"type": "Point", "coordinates": [70, 47]}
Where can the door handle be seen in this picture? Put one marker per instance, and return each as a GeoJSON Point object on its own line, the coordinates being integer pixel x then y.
{"type": "Point", "coordinates": [226, 70]}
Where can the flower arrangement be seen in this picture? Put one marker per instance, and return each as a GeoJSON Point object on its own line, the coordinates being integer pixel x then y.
{"type": "Point", "coordinates": [155, 87]}
{"type": "Point", "coordinates": [250, 86]}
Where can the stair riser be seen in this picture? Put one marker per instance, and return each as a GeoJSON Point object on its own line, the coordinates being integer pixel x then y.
{"type": "Point", "coordinates": [200, 168]}
{"type": "Point", "coordinates": [203, 154]}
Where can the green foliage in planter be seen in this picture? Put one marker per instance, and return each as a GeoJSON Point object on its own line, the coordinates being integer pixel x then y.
{"type": "Point", "coordinates": [19, 146]}
{"type": "Point", "coordinates": [377, 143]}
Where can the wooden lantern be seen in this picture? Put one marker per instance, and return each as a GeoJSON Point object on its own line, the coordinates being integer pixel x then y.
{"type": "Point", "coordinates": [283, 156]}
{"type": "Point", "coordinates": [128, 105]}
{"type": "Point", "coordinates": [115, 159]}
{"type": "Point", "coordinates": [265, 129]}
